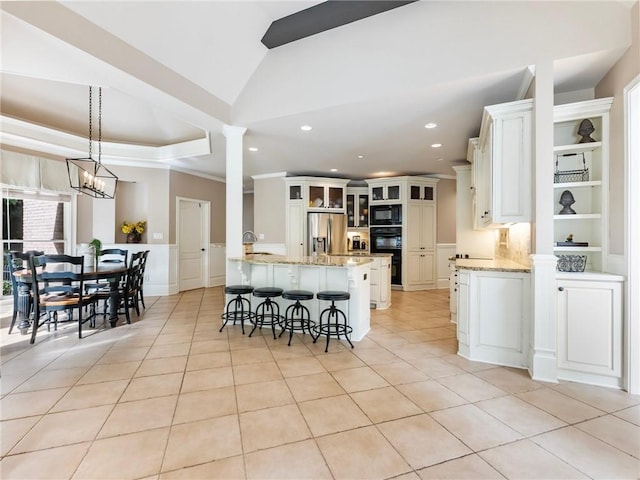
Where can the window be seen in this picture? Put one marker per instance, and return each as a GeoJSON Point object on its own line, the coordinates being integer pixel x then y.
{"type": "Point", "coordinates": [34, 222]}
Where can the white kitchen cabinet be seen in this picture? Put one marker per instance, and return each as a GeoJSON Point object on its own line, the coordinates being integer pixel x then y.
{"type": "Point", "coordinates": [381, 282]}
{"type": "Point", "coordinates": [420, 271]}
{"type": "Point", "coordinates": [385, 191]}
{"type": "Point", "coordinates": [590, 338]}
{"type": "Point", "coordinates": [502, 167]}
{"type": "Point", "coordinates": [453, 291]}
{"type": "Point", "coordinates": [357, 207]}
{"type": "Point", "coordinates": [420, 191]}
{"type": "Point", "coordinates": [309, 194]}
{"type": "Point", "coordinates": [296, 225]}
{"type": "Point", "coordinates": [494, 317]}
{"type": "Point", "coordinates": [326, 194]}
{"type": "Point", "coordinates": [420, 235]}
{"type": "Point", "coordinates": [477, 243]}
{"type": "Point", "coordinates": [583, 171]}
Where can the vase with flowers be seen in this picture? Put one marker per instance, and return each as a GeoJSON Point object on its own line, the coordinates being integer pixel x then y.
{"type": "Point", "coordinates": [133, 230]}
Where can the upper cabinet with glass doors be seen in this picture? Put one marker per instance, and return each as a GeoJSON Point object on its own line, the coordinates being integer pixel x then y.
{"type": "Point", "coordinates": [327, 195]}
{"type": "Point", "coordinates": [357, 207]}
{"type": "Point", "coordinates": [385, 191]}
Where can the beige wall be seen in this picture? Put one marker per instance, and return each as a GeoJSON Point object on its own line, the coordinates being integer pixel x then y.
{"type": "Point", "coordinates": [446, 229]}
{"type": "Point", "coordinates": [269, 209]}
{"type": "Point", "coordinates": [198, 188]}
{"type": "Point", "coordinates": [612, 85]}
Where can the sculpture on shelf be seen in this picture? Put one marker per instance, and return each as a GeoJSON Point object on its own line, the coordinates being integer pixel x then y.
{"type": "Point", "coordinates": [566, 200]}
{"type": "Point", "coordinates": [585, 129]}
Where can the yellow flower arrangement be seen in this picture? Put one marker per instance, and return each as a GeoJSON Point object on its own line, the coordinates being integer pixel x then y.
{"type": "Point", "coordinates": [137, 227]}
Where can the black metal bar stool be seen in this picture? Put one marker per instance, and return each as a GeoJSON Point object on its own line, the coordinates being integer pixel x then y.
{"type": "Point", "coordinates": [296, 316]}
{"type": "Point", "coordinates": [333, 321]}
{"type": "Point", "coordinates": [267, 312]}
{"type": "Point", "coordinates": [239, 307]}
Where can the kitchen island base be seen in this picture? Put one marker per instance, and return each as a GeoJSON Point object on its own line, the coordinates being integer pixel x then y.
{"type": "Point", "coordinates": [315, 274]}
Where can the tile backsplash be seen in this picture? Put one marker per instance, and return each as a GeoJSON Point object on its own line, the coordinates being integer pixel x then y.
{"type": "Point", "coordinates": [514, 243]}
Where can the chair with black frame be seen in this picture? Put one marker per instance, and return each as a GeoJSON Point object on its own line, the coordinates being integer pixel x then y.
{"type": "Point", "coordinates": [145, 256]}
{"type": "Point", "coordinates": [107, 255]}
{"type": "Point", "coordinates": [21, 303]}
{"type": "Point", "coordinates": [58, 285]}
{"type": "Point", "coordinates": [128, 289]}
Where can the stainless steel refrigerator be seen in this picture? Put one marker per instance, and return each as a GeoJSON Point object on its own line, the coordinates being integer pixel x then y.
{"type": "Point", "coordinates": [326, 233]}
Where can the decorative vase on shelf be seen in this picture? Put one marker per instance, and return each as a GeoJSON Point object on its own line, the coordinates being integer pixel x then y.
{"type": "Point", "coordinates": [134, 237]}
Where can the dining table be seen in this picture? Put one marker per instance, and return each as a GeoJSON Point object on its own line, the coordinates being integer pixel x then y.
{"type": "Point", "coordinates": [110, 271]}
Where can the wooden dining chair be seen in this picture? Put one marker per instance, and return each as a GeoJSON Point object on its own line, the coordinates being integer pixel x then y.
{"type": "Point", "coordinates": [114, 255]}
{"type": "Point", "coordinates": [128, 288]}
{"type": "Point", "coordinates": [58, 285]}
{"type": "Point", "coordinates": [19, 261]}
{"type": "Point", "coordinates": [102, 288]}
{"type": "Point", "coordinates": [145, 256]}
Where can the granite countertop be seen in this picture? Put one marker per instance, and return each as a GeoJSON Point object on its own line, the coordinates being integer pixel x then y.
{"type": "Point", "coordinates": [319, 260]}
{"type": "Point", "coordinates": [356, 253]}
{"type": "Point", "coordinates": [496, 265]}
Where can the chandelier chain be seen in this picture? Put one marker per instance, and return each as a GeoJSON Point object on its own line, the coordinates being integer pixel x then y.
{"type": "Point", "coordinates": [99, 124]}
{"type": "Point", "coordinates": [90, 125]}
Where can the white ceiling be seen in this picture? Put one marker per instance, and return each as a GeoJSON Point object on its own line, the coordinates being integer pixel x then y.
{"type": "Point", "coordinates": [177, 71]}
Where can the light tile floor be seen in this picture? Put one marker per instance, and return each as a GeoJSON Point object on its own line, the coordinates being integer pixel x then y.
{"type": "Point", "coordinates": [171, 397]}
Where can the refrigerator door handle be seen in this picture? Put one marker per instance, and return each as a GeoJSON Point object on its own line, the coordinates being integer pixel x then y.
{"type": "Point", "coordinates": [329, 246]}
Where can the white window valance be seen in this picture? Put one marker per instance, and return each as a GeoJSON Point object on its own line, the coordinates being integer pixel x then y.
{"type": "Point", "coordinates": [33, 173]}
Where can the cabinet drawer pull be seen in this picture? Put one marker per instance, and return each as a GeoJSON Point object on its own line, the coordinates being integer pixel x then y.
{"type": "Point", "coordinates": [561, 289]}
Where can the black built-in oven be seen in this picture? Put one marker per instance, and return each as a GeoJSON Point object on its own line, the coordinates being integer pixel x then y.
{"type": "Point", "coordinates": [388, 240]}
{"type": "Point", "coordinates": [385, 215]}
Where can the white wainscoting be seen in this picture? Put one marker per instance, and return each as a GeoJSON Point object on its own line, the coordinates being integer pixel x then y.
{"type": "Point", "coordinates": [217, 264]}
{"type": "Point", "coordinates": [444, 251]}
{"type": "Point", "coordinates": [161, 274]}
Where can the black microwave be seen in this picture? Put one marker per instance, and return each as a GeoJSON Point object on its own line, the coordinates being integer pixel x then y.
{"type": "Point", "coordinates": [385, 215]}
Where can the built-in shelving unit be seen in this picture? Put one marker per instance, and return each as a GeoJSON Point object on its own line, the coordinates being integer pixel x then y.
{"type": "Point", "coordinates": [587, 185]}
{"type": "Point", "coordinates": [589, 303]}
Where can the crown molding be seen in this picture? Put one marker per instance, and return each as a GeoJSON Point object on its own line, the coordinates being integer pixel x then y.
{"type": "Point", "coordinates": [21, 134]}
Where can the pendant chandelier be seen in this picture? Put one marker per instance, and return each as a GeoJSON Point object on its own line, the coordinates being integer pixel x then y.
{"type": "Point", "coordinates": [87, 175]}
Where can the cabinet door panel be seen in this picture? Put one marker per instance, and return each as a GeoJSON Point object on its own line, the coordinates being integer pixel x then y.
{"type": "Point", "coordinates": [512, 175]}
{"type": "Point", "coordinates": [414, 225]}
{"type": "Point", "coordinates": [499, 302]}
{"type": "Point", "coordinates": [295, 230]}
{"type": "Point", "coordinates": [428, 222]}
{"type": "Point", "coordinates": [414, 268]}
{"type": "Point", "coordinates": [590, 328]}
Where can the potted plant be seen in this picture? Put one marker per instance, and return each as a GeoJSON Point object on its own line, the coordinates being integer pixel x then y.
{"type": "Point", "coordinates": [96, 245]}
{"type": "Point", "coordinates": [133, 230]}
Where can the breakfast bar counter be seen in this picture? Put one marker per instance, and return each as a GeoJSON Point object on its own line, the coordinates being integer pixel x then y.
{"type": "Point", "coordinates": [314, 273]}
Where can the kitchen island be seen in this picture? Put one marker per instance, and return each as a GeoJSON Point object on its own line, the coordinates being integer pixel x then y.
{"type": "Point", "coordinates": [314, 273]}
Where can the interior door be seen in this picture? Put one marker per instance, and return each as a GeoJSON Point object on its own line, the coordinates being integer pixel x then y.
{"type": "Point", "coordinates": [192, 242]}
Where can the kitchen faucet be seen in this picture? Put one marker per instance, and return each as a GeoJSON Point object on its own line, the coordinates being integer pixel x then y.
{"type": "Point", "coordinates": [249, 237]}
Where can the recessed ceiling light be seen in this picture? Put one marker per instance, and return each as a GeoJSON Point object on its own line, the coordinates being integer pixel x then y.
{"type": "Point", "coordinates": [439, 159]}
{"type": "Point", "coordinates": [334, 169]}
{"type": "Point", "coordinates": [253, 149]}
{"type": "Point", "coordinates": [360, 156]}
{"type": "Point", "coordinates": [436, 145]}
{"type": "Point", "coordinates": [431, 125]}
{"type": "Point", "coordinates": [306, 128]}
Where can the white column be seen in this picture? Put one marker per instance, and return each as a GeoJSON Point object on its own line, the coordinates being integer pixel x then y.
{"type": "Point", "coordinates": [632, 174]}
{"type": "Point", "coordinates": [233, 135]}
{"type": "Point", "coordinates": [543, 262]}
